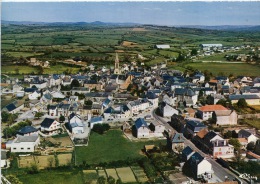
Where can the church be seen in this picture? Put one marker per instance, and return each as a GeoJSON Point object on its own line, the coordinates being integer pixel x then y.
{"type": "Point", "coordinates": [117, 69]}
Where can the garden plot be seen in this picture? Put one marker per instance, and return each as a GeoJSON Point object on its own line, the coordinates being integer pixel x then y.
{"type": "Point", "coordinates": [102, 173]}
{"type": "Point", "coordinates": [126, 174]}
{"type": "Point", "coordinates": [139, 173]}
{"type": "Point", "coordinates": [112, 172]}
{"type": "Point", "coordinates": [64, 159]}
{"type": "Point", "coordinates": [45, 161]}
{"type": "Point", "coordinates": [90, 176]}
{"type": "Point", "coordinates": [26, 161]}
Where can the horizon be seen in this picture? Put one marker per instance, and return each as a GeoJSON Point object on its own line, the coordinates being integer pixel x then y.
{"type": "Point", "coordinates": [155, 13]}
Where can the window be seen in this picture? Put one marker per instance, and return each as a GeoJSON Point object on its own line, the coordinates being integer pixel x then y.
{"type": "Point", "coordinates": [28, 148]}
{"type": "Point", "coordinates": [14, 148]}
{"type": "Point", "coordinates": [22, 148]}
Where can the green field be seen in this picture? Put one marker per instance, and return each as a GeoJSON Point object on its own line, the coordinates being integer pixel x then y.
{"type": "Point", "coordinates": [54, 176]}
{"type": "Point", "coordinates": [228, 68]}
{"type": "Point", "coordinates": [111, 146]}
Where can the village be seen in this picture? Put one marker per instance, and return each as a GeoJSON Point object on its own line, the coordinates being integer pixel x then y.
{"type": "Point", "coordinates": [201, 118]}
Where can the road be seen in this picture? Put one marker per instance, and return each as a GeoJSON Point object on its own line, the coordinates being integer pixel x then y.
{"type": "Point", "coordinates": [219, 171]}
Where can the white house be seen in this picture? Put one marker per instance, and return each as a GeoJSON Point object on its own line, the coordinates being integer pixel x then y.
{"type": "Point", "coordinates": [167, 110]}
{"type": "Point", "coordinates": [76, 124]}
{"type": "Point", "coordinates": [57, 94]}
{"type": "Point", "coordinates": [39, 84]}
{"type": "Point", "coordinates": [3, 158]}
{"type": "Point", "coordinates": [248, 135]}
{"type": "Point", "coordinates": [227, 117]}
{"type": "Point", "coordinates": [205, 112]}
{"type": "Point", "coordinates": [25, 144]}
{"type": "Point", "coordinates": [142, 129]}
{"type": "Point", "coordinates": [157, 129]}
{"type": "Point", "coordinates": [50, 126]}
{"type": "Point", "coordinates": [138, 105]}
{"type": "Point", "coordinates": [53, 110]}
{"type": "Point", "coordinates": [34, 96]}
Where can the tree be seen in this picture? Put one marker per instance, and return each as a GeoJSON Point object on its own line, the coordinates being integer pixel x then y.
{"type": "Point", "coordinates": [101, 128]}
{"type": "Point", "coordinates": [118, 181]}
{"type": "Point", "coordinates": [194, 52]}
{"type": "Point", "coordinates": [74, 83]}
{"type": "Point", "coordinates": [5, 116]}
{"type": "Point", "coordinates": [111, 180]}
{"type": "Point", "coordinates": [62, 118]}
{"type": "Point", "coordinates": [228, 135]}
{"type": "Point", "coordinates": [17, 71]}
{"type": "Point", "coordinates": [235, 143]}
{"type": "Point", "coordinates": [101, 180]}
{"type": "Point", "coordinates": [210, 100]}
{"type": "Point", "coordinates": [33, 169]}
{"type": "Point", "coordinates": [11, 118]}
{"type": "Point", "coordinates": [200, 94]}
{"type": "Point", "coordinates": [88, 102]}
{"type": "Point", "coordinates": [38, 115]}
{"type": "Point", "coordinates": [242, 103]}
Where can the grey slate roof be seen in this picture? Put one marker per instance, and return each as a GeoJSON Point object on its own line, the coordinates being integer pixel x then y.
{"type": "Point", "coordinates": [140, 122]}
{"type": "Point", "coordinates": [195, 126]}
{"type": "Point", "coordinates": [47, 122]}
{"type": "Point", "coordinates": [178, 138]}
{"type": "Point", "coordinates": [26, 139]}
{"type": "Point", "coordinates": [26, 130]}
{"type": "Point", "coordinates": [237, 97]}
{"type": "Point", "coordinates": [10, 107]}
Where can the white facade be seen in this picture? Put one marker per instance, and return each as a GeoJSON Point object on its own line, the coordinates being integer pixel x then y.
{"type": "Point", "coordinates": [34, 95]}
{"type": "Point", "coordinates": [168, 111]}
{"type": "Point", "coordinates": [39, 86]}
{"type": "Point", "coordinates": [143, 132]}
{"type": "Point", "coordinates": [204, 167]}
{"type": "Point", "coordinates": [25, 144]}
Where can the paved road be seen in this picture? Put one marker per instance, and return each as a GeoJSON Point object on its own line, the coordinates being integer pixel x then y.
{"type": "Point", "coordinates": [219, 171]}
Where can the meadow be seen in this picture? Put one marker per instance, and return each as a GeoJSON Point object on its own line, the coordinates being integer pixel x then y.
{"type": "Point", "coordinates": [97, 44]}
{"type": "Point", "coordinates": [100, 148]}
{"type": "Point", "coordinates": [237, 69]}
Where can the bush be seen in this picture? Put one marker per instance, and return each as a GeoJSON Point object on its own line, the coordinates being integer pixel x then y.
{"type": "Point", "coordinates": [101, 128]}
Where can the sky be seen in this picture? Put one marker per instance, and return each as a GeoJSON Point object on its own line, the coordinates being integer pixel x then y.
{"type": "Point", "coordinates": [159, 13]}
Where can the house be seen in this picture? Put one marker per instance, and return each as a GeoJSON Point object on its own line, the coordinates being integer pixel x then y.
{"type": "Point", "coordinates": [40, 84]}
{"type": "Point", "coordinates": [251, 99]}
{"type": "Point", "coordinates": [25, 144]}
{"type": "Point", "coordinates": [50, 126]}
{"type": "Point", "coordinates": [193, 126]}
{"type": "Point", "coordinates": [141, 128]}
{"type": "Point", "coordinates": [205, 112]}
{"type": "Point", "coordinates": [75, 124]}
{"type": "Point", "coordinates": [169, 99]}
{"type": "Point", "coordinates": [217, 146]}
{"type": "Point", "coordinates": [14, 107]}
{"type": "Point", "coordinates": [186, 153]}
{"type": "Point", "coordinates": [3, 159]}
{"type": "Point", "coordinates": [162, 46]}
{"type": "Point", "coordinates": [153, 98]}
{"type": "Point", "coordinates": [198, 166]}
{"type": "Point", "coordinates": [138, 105]}
{"type": "Point", "coordinates": [66, 81]}
{"type": "Point", "coordinates": [178, 122]}
{"type": "Point", "coordinates": [226, 117]}
{"type": "Point", "coordinates": [167, 110]}
{"type": "Point", "coordinates": [63, 109]}
{"type": "Point", "coordinates": [79, 90]}
{"type": "Point", "coordinates": [27, 131]}
{"type": "Point", "coordinates": [248, 135]}
{"type": "Point", "coordinates": [46, 98]}
{"type": "Point", "coordinates": [57, 95]}
{"type": "Point", "coordinates": [55, 80]}
{"type": "Point", "coordinates": [34, 96]}
{"type": "Point", "coordinates": [157, 129]}
{"type": "Point", "coordinates": [186, 95]}
{"type": "Point", "coordinates": [95, 120]}
{"type": "Point", "coordinates": [93, 84]}
{"type": "Point", "coordinates": [177, 142]}
{"type": "Point", "coordinates": [53, 110]}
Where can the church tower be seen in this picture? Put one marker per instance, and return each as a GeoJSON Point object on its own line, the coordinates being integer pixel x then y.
{"type": "Point", "coordinates": [117, 68]}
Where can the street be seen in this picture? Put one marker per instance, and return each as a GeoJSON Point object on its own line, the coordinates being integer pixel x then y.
{"type": "Point", "coordinates": [219, 171]}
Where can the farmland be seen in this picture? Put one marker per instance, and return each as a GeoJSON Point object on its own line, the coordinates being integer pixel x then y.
{"type": "Point", "coordinates": [96, 44]}
{"type": "Point", "coordinates": [100, 149]}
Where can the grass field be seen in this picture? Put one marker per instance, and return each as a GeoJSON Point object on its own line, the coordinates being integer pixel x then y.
{"type": "Point", "coordinates": [109, 147]}
{"type": "Point", "coordinates": [11, 69]}
{"type": "Point", "coordinates": [102, 173]}
{"type": "Point", "coordinates": [228, 68]}
{"type": "Point", "coordinates": [57, 177]}
{"type": "Point", "coordinates": [126, 174]}
{"type": "Point", "coordinates": [254, 123]}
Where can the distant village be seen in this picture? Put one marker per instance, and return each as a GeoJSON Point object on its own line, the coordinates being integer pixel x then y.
{"type": "Point", "coordinates": [156, 103]}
